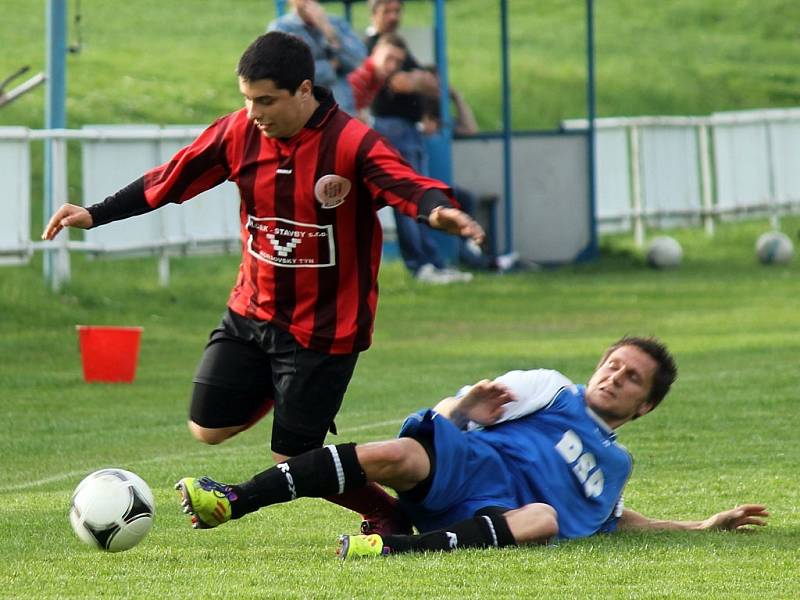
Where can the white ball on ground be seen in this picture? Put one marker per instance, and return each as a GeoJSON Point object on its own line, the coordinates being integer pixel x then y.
{"type": "Point", "coordinates": [112, 509]}
{"type": "Point", "coordinates": [774, 248]}
{"type": "Point", "coordinates": [664, 252]}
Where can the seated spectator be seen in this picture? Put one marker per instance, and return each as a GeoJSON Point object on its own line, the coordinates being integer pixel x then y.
{"type": "Point", "coordinates": [337, 50]}
{"type": "Point", "coordinates": [470, 254]}
{"type": "Point", "coordinates": [367, 79]}
{"type": "Point", "coordinates": [396, 110]}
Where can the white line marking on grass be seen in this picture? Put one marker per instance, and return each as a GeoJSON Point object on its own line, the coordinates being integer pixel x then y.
{"type": "Point", "coordinates": [158, 459]}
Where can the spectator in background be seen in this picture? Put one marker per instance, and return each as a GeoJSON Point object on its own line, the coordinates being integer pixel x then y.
{"type": "Point", "coordinates": [470, 254]}
{"type": "Point", "coordinates": [396, 110]}
{"type": "Point", "coordinates": [336, 48]}
{"type": "Point", "coordinates": [367, 79]}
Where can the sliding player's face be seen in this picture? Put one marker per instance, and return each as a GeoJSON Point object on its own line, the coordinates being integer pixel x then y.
{"type": "Point", "coordinates": [619, 389]}
{"type": "Point", "coordinates": [276, 112]}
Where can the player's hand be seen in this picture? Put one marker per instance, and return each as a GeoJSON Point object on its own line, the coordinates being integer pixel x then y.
{"type": "Point", "coordinates": [456, 222]}
{"type": "Point", "coordinates": [69, 215]}
{"type": "Point", "coordinates": [484, 402]}
{"type": "Point", "coordinates": [738, 518]}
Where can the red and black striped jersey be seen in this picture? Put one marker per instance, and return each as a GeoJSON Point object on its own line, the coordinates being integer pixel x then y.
{"type": "Point", "coordinates": [311, 238]}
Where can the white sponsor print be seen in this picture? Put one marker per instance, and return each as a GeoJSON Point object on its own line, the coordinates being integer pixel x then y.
{"type": "Point", "coordinates": [452, 540]}
{"type": "Point", "coordinates": [292, 244]}
{"type": "Point", "coordinates": [284, 468]}
{"type": "Point", "coordinates": [584, 464]}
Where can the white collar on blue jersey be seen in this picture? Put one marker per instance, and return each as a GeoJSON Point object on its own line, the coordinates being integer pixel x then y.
{"type": "Point", "coordinates": [603, 425]}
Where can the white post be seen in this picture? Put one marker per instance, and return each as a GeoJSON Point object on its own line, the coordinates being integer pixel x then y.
{"type": "Point", "coordinates": [774, 217]}
{"type": "Point", "coordinates": [61, 264]}
{"type": "Point", "coordinates": [163, 268]}
{"type": "Point", "coordinates": [636, 183]}
{"type": "Point", "coordinates": [705, 180]}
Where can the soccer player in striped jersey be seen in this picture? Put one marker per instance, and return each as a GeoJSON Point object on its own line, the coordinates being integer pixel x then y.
{"type": "Point", "coordinates": [311, 179]}
{"type": "Point", "coordinates": [522, 459]}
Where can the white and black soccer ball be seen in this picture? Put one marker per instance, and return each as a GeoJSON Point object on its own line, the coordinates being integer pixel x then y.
{"type": "Point", "coordinates": [112, 509]}
{"type": "Point", "coordinates": [774, 248]}
{"type": "Point", "coordinates": [664, 252]}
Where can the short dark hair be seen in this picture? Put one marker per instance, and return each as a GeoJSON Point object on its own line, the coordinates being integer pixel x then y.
{"type": "Point", "coordinates": [666, 371]}
{"type": "Point", "coordinates": [282, 57]}
{"type": "Point", "coordinates": [393, 39]}
{"type": "Point", "coordinates": [374, 4]}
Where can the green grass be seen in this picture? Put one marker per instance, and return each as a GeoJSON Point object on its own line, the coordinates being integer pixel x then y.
{"type": "Point", "coordinates": [727, 434]}
{"type": "Point", "coordinates": [173, 62]}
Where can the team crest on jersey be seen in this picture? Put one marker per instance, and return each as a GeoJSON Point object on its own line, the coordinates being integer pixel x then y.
{"type": "Point", "coordinates": [331, 190]}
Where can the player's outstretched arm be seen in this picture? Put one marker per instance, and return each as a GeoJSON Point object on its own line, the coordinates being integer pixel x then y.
{"type": "Point", "coordinates": [69, 215]}
{"type": "Point", "coordinates": [456, 222]}
{"type": "Point", "coordinates": [738, 518]}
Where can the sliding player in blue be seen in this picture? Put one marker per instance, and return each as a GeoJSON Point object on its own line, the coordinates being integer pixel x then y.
{"type": "Point", "coordinates": [522, 459]}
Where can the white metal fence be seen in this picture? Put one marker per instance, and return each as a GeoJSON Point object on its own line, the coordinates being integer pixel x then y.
{"type": "Point", "coordinates": [651, 172]}
{"type": "Point", "coordinates": [662, 172]}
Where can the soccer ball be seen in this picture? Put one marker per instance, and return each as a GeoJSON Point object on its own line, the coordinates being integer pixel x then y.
{"type": "Point", "coordinates": [112, 509]}
{"type": "Point", "coordinates": [664, 252]}
{"type": "Point", "coordinates": [774, 247]}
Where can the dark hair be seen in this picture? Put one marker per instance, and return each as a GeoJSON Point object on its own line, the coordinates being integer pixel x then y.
{"type": "Point", "coordinates": [666, 372]}
{"type": "Point", "coordinates": [374, 4]}
{"type": "Point", "coordinates": [393, 39]}
{"type": "Point", "coordinates": [282, 57]}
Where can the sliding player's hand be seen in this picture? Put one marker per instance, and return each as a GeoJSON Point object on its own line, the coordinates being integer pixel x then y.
{"type": "Point", "coordinates": [738, 518]}
{"type": "Point", "coordinates": [484, 402]}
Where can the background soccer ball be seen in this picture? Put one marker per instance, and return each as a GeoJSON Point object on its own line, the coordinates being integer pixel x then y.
{"type": "Point", "coordinates": [664, 252]}
{"type": "Point", "coordinates": [112, 509]}
{"type": "Point", "coordinates": [774, 247]}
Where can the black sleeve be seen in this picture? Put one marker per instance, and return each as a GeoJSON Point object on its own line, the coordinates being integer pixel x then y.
{"type": "Point", "coordinates": [128, 202]}
{"type": "Point", "coordinates": [430, 200]}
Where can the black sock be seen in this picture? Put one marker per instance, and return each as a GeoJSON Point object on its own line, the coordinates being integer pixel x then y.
{"type": "Point", "coordinates": [484, 531]}
{"type": "Point", "coordinates": [314, 474]}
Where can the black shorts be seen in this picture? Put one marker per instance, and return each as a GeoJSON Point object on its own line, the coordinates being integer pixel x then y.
{"type": "Point", "coordinates": [247, 363]}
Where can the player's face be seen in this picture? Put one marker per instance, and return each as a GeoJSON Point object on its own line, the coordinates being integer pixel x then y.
{"type": "Point", "coordinates": [386, 17]}
{"type": "Point", "coordinates": [276, 112]}
{"type": "Point", "coordinates": [619, 388]}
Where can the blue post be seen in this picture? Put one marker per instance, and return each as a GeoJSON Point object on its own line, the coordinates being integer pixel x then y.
{"type": "Point", "coordinates": [55, 106]}
{"type": "Point", "coordinates": [280, 7]}
{"type": "Point", "coordinates": [506, 87]}
{"type": "Point", "coordinates": [592, 250]}
{"type": "Point", "coordinates": [440, 144]}
{"type": "Point", "coordinates": [446, 130]}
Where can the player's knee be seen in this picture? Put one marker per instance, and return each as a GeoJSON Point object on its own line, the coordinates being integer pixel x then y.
{"type": "Point", "coordinates": [278, 457]}
{"type": "Point", "coordinates": [208, 436]}
{"type": "Point", "coordinates": [391, 453]}
{"type": "Point", "coordinates": [388, 462]}
{"type": "Point", "coordinates": [533, 524]}
{"type": "Point", "coordinates": [549, 520]}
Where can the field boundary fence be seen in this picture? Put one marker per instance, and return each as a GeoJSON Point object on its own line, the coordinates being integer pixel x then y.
{"type": "Point", "coordinates": [652, 173]}
{"type": "Point", "coordinates": [664, 172]}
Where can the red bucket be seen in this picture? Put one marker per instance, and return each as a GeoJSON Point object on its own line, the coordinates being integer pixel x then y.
{"type": "Point", "coordinates": [109, 353]}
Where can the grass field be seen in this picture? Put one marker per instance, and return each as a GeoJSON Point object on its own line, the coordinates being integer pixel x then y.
{"type": "Point", "coordinates": [173, 62]}
{"type": "Point", "coordinates": [726, 435]}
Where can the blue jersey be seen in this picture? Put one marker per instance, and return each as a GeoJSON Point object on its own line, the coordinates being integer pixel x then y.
{"type": "Point", "coordinates": [548, 447]}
